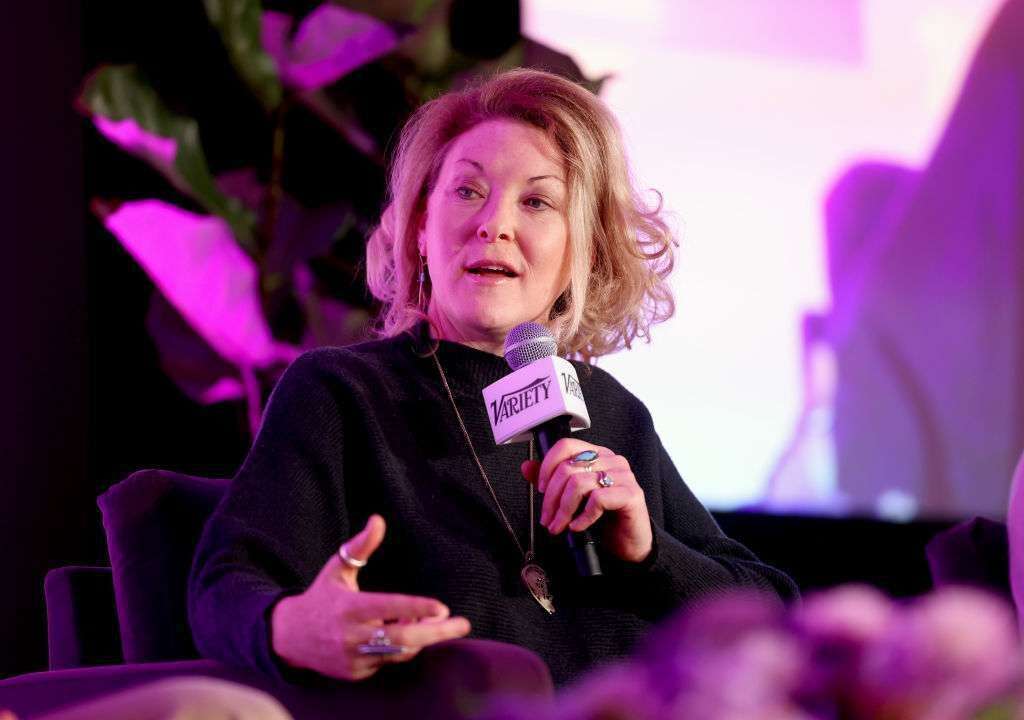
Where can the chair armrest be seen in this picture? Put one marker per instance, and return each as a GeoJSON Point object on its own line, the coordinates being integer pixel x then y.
{"type": "Point", "coordinates": [81, 618]}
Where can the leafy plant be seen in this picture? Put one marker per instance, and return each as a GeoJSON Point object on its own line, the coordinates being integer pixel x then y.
{"type": "Point", "coordinates": [252, 265]}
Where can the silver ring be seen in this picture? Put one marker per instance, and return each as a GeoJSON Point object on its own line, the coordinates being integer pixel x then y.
{"type": "Point", "coordinates": [604, 479]}
{"type": "Point", "coordinates": [379, 644]}
{"type": "Point", "coordinates": [354, 563]}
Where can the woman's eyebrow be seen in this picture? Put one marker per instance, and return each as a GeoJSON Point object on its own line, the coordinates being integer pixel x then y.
{"type": "Point", "coordinates": [535, 178]}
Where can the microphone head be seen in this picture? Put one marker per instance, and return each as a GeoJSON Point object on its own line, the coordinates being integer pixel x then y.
{"type": "Point", "coordinates": [527, 342]}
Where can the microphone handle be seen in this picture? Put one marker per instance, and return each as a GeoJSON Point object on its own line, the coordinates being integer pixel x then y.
{"type": "Point", "coordinates": [581, 544]}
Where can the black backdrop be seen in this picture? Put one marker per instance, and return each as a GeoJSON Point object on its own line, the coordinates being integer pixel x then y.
{"type": "Point", "coordinates": [85, 399]}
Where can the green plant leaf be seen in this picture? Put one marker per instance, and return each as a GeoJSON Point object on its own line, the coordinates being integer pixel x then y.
{"type": "Point", "coordinates": [129, 113]}
{"type": "Point", "coordinates": [238, 22]}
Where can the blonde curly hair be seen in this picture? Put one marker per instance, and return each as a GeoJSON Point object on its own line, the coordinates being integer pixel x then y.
{"type": "Point", "coordinates": [621, 250]}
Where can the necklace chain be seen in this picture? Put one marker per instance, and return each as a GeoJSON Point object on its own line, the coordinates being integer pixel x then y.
{"type": "Point", "coordinates": [527, 555]}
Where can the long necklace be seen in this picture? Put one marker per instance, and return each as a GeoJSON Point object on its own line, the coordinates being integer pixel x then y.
{"type": "Point", "coordinates": [532, 574]}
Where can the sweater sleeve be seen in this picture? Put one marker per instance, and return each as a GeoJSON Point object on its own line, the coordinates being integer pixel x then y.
{"type": "Point", "coordinates": [281, 517]}
{"type": "Point", "coordinates": [691, 553]}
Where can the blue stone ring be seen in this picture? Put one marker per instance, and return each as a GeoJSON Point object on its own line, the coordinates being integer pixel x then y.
{"type": "Point", "coordinates": [585, 458]}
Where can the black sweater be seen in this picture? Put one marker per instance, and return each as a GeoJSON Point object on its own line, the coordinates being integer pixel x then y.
{"type": "Point", "coordinates": [369, 429]}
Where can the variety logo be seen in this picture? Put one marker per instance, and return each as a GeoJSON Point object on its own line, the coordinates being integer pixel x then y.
{"type": "Point", "coordinates": [514, 402]}
{"type": "Point", "coordinates": [571, 385]}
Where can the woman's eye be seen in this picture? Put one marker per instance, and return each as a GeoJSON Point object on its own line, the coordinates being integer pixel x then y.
{"type": "Point", "coordinates": [535, 203]}
{"type": "Point", "coordinates": [466, 193]}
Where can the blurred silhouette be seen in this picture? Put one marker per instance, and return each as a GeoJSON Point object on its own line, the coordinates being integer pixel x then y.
{"type": "Point", "coordinates": [927, 323]}
{"type": "Point", "coordinates": [805, 478]}
{"type": "Point", "coordinates": [944, 296]}
{"type": "Point", "coordinates": [878, 418]}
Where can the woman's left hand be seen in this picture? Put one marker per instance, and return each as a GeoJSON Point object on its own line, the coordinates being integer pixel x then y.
{"type": "Point", "coordinates": [566, 485]}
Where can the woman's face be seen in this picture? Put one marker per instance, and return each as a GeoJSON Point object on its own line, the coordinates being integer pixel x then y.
{"type": "Point", "coordinates": [495, 233]}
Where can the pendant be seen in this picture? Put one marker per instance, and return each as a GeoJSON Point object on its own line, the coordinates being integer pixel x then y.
{"type": "Point", "coordinates": [536, 581]}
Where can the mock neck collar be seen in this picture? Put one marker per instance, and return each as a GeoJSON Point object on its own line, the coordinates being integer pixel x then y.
{"type": "Point", "coordinates": [468, 369]}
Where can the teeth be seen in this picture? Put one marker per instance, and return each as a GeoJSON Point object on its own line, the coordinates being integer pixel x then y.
{"type": "Point", "coordinates": [492, 268]}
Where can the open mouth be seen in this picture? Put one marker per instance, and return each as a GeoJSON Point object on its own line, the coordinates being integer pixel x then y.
{"type": "Point", "coordinates": [486, 270]}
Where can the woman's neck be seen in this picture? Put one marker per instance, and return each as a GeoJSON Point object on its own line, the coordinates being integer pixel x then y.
{"type": "Point", "coordinates": [441, 329]}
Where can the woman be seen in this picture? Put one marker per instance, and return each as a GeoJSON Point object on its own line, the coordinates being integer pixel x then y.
{"type": "Point", "coordinates": [510, 203]}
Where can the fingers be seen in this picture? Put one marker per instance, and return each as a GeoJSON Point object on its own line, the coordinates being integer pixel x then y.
{"type": "Point", "coordinates": [560, 452]}
{"type": "Point", "coordinates": [569, 484]}
{"type": "Point", "coordinates": [363, 545]}
{"type": "Point", "coordinates": [571, 489]}
{"type": "Point", "coordinates": [384, 607]}
{"type": "Point", "coordinates": [530, 470]}
{"type": "Point", "coordinates": [600, 500]}
{"type": "Point", "coordinates": [554, 473]}
{"type": "Point", "coordinates": [428, 632]}
{"type": "Point", "coordinates": [409, 640]}
{"type": "Point", "coordinates": [358, 549]}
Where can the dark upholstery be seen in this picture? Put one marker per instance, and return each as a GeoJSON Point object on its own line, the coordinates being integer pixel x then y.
{"type": "Point", "coordinates": [976, 552]}
{"type": "Point", "coordinates": [450, 680]}
{"type": "Point", "coordinates": [81, 621]}
{"type": "Point", "coordinates": [153, 521]}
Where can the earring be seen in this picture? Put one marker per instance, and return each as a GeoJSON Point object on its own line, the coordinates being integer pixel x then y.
{"type": "Point", "coordinates": [423, 277]}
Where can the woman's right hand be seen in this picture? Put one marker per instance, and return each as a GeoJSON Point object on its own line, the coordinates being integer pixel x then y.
{"type": "Point", "coordinates": [323, 628]}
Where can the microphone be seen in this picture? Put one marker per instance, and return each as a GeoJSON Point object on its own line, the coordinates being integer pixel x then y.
{"type": "Point", "coordinates": [541, 398]}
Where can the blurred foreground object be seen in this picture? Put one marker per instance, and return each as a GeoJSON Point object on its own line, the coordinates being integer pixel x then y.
{"type": "Point", "coordinates": [182, 698]}
{"type": "Point", "coordinates": [847, 653]}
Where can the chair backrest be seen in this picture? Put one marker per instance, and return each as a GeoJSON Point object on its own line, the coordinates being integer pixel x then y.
{"type": "Point", "coordinates": [153, 520]}
{"type": "Point", "coordinates": [974, 552]}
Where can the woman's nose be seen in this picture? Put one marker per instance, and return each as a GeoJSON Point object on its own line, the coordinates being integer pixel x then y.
{"type": "Point", "coordinates": [496, 222]}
